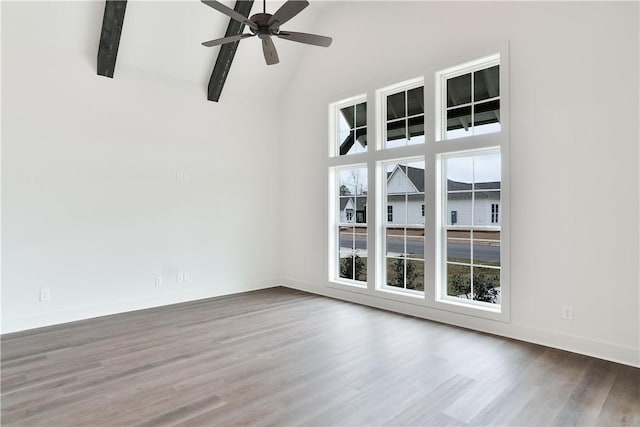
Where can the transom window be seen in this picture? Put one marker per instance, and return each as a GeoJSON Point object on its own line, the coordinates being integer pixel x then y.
{"type": "Point", "coordinates": [470, 99]}
{"type": "Point", "coordinates": [352, 125]}
{"type": "Point", "coordinates": [405, 117]}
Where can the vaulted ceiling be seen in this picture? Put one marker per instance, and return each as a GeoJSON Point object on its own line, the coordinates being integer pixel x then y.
{"type": "Point", "coordinates": [164, 38]}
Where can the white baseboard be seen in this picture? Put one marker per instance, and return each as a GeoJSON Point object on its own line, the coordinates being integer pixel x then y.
{"type": "Point", "coordinates": [90, 311]}
{"type": "Point", "coordinates": [600, 349]}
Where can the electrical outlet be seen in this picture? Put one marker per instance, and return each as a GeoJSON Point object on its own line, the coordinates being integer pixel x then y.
{"type": "Point", "coordinates": [45, 295]}
{"type": "Point", "coordinates": [180, 277]}
{"type": "Point", "coordinates": [567, 312]}
{"type": "Point", "coordinates": [186, 277]}
{"type": "Point", "coordinates": [158, 280]}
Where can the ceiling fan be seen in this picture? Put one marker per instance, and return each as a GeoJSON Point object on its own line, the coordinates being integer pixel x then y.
{"type": "Point", "coordinates": [264, 25]}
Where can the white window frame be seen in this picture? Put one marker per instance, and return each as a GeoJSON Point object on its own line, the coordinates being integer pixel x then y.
{"type": "Point", "coordinates": [443, 227]}
{"type": "Point", "coordinates": [381, 260]}
{"type": "Point", "coordinates": [441, 92]}
{"type": "Point", "coordinates": [334, 235]}
{"type": "Point", "coordinates": [381, 110]}
{"type": "Point", "coordinates": [434, 148]}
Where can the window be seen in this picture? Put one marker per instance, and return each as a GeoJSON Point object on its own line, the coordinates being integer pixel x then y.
{"type": "Point", "coordinates": [470, 99]}
{"type": "Point", "coordinates": [352, 129]}
{"type": "Point", "coordinates": [494, 213]}
{"type": "Point", "coordinates": [472, 186]}
{"type": "Point", "coordinates": [352, 235]}
{"type": "Point", "coordinates": [404, 236]}
{"type": "Point", "coordinates": [430, 205]}
{"type": "Point", "coordinates": [403, 111]}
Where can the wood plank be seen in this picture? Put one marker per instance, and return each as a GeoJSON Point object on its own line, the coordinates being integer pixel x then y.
{"type": "Point", "coordinates": [285, 357]}
{"type": "Point", "coordinates": [227, 52]}
{"type": "Point", "coordinates": [112, 22]}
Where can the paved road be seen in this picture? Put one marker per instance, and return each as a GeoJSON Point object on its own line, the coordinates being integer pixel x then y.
{"type": "Point", "coordinates": [455, 250]}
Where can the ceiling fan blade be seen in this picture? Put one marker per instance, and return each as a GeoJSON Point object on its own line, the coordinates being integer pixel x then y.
{"type": "Point", "coordinates": [287, 11]}
{"type": "Point", "coordinates": [226, 40]}
{"type": "Point", "coordinates": [306, 38]}
{"type": "Point", "coordinates": [229, 12]}
{"type": "Point", "coordinates": [270, 52]}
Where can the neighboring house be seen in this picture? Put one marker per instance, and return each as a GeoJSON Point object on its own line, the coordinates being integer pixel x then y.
{"type": "Point", "coordinates": [405, 201]}
{"type": "Point", "coordinates": [405, 195]}
{"type": "Point", "coordinates": [353, 209]}
{"type": "Point", "coordinates": [487, 203]}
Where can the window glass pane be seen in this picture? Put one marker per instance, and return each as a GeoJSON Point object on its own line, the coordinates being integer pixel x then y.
{"type": "Point", "coordinates": [415, 172]}
{"type": "Point", "coordinates": [361, 210]}
{"type": "Point", "coordinates": [396, 209]}
{"type": "Point", "coordinates": [396, 106]}
{"type": "Point", "coordinates": [361, 140]}
{"type": "Point", "coordinates": [486, 117]}
{"type": "Point", "coordinates": [346, 265]}
{"type": "Point", "coordinates": [360, 267]}
{"type": "Point", "coordinates": [459, 208]}
{"type": "Point", "coordinates": [459, 122]}
{"type": "Point", "coordinates": [350, 139]}
{"type": "Point", "coordinates": [459, 246]}
{"type": "Point", "coordinates": [415, 275]}
{"type": "Point", "coordinates": [395, 272]}
{"type": "Point", "coordinates": [416, 130]}
{"type": "Point", "coordinates": [395, 241]}
{"type": "Point", "coordinates": [346, 239]}
{"type": "Point", "coordinates": [415, 101]}
{"type": "Point", "coordinates": [361, 114]}
{"type": "Point", "coordinates": [487, 235]}
{"type": "Point", "coordinates": [353, 182]}
{"type": "Point", "coordinates": [459, 90]}
{"type": "Point", "coordinates": [483, 201]}
{"type": "Point", "coordinates": [486, 284]}
{"type": "Point", "coordinates": [487, 171]}
{"type": "Point", "coordinates": [347, 139]}
{"type": "Point", "coordinates": [486, 253]}
{"type": "Point", "coordinates": [347, 209]}
{"type": "Point", "coordinates": [360, 241]}
{"type": "Point", "coordinates": [459, 281]}
{"type": "Point", "coordinates": [396, 133]}
{"type": "Point", "coordinates": [347, 118]}
{"type": "Point", "coordinates": [397, 182]}
{"type": "Point", "coordinates": [415, 244]}
{"type": "Point", "coordinates": [486, 83]}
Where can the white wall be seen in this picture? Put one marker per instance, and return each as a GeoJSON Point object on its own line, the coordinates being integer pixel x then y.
{"type": "Point", "coordinates": [92, 209]}
{"type": "Point", "coordinates": [574, 139]}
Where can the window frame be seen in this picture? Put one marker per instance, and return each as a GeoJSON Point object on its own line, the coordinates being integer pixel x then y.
{"type": "Point", "coordinates": [381, 111]}
{"type": "Point", "coordinates": [432, 150]}
{"type": "Point", "coordinates": [441, 92]}
{"type": "Point", "coordinates": [381, 278]}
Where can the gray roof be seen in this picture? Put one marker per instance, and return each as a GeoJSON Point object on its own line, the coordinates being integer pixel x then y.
{"type": "Point", "coordinates": [361, 202]}
{"type": "Point", "coordinates": [466, 186]}
{"type": "Point", "coordinates": [415, 175]}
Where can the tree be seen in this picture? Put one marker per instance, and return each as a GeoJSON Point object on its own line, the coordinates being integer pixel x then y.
{"type": "Point", "coordinates": [348, 271]}
{"type": "Point", "coordinates": [344, 190]}
{"type": "Point", "coordinates": [399, 276]}
{"type": "Point", "coordinates": [459, 284]}
{"type": "Point", "coordinates": [485, 287]}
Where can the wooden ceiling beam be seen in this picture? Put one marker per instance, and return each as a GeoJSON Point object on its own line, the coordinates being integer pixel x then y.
{"type": "Point", "coordinates": [227, 52]}
{"type": "Point", "coordinates": [112, 22]}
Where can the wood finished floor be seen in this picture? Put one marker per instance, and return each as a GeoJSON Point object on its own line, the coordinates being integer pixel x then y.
{"type": "Point", "coordinates": [283, 357]}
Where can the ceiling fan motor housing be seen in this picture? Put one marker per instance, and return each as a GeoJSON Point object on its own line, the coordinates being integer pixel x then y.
{"type": "Point", "coordinates": [262, 21]}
